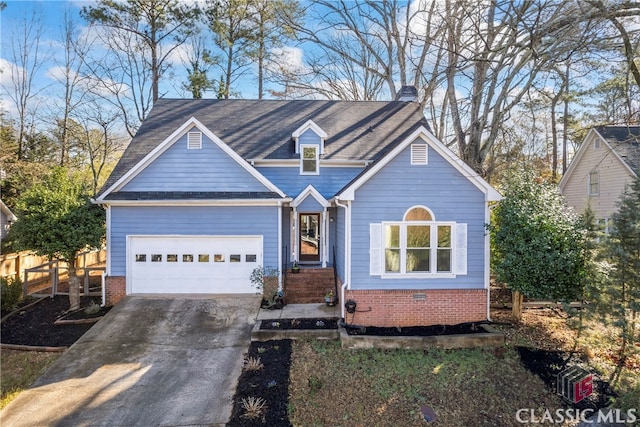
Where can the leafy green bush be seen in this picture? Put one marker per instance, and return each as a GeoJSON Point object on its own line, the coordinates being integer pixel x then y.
{"type": "Point", "coordinates": [11, 292]}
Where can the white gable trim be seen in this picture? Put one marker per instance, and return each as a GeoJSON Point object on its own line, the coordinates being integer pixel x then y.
{"type": "Point", "coordinates": [309, 124]}
{"type": "Point", "coordinates": [169, 141]}
{"type": "Point", "coordinates": [490, 193]}
{"type": "Point", "coordinates": [310, 191]}
{"type": "Point", "coordinates": [605, 149]}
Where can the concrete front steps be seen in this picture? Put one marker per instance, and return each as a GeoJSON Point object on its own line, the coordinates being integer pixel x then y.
{"type": "Point", "coordinates": [308, 286]}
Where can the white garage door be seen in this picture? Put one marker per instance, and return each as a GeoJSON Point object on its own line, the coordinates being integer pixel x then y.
{"type": "Point", "coordinates": [193, 265]}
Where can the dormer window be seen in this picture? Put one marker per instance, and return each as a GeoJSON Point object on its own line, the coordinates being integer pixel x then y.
{"type": "Point", "coordinates": [309, 160]}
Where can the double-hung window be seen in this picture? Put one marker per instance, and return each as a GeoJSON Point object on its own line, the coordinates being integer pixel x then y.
{"type": "Point", "coordinates": [594, 183]}
{"type": "Point", "coordinates": [309, 160]}
{"type": "Point", "coordinates": [418, 247]}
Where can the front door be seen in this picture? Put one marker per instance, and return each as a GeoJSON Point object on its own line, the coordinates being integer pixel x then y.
{"type": "Point", "coordinates": [309, 237]}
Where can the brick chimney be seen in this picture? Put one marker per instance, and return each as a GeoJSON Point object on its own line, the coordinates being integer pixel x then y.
{"type": "Point", "coordinates": [407, 94]}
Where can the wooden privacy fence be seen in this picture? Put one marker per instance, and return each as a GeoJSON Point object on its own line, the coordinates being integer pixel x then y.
{"type": "Point", "coordinates": [42, 277]}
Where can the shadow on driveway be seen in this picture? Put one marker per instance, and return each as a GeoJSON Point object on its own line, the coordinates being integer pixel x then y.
{"type": "Point", "coordinates": [149, 361]}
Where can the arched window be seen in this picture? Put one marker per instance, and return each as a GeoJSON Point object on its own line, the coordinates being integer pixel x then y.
{"type": "Point", "coordinates": [418, 213]}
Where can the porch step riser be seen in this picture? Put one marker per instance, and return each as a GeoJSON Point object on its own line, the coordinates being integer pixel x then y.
{"type": "Point", "coordinates": [308, 286]}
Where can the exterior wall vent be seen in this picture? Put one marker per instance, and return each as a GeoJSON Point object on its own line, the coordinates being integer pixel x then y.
{"type": "Point", "coordinates": [194, 140]}
{"type": "Point", "coordinates": [419, 154]}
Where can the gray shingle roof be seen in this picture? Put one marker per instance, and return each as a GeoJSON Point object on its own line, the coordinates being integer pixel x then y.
{"type": "Point", "coordinates": [625, 141]}
{"type": "Point", "coordinates": [261, 129]}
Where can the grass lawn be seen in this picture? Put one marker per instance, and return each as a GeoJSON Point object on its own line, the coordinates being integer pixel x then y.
{"type": "Point", "coordinates": [18, 369]}
{"type": "Point", "coordinates": [331, 386]}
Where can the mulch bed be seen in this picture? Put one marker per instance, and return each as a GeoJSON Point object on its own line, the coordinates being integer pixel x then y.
{"type": "Point", "coordinates": [270, 383]}
{"type": "Point", "coordinates": [548, 364]}
{"type": "Point", "coordinates": [34, 326]}
{"type": "Point", "coordinates": [284, 324]}
{"type": "Point", "coordinates": [462, 328]}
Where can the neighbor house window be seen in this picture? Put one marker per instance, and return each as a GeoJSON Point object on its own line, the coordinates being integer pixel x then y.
{"type": "Point", "coordinates": [309, 160]}
{"type": "Point", "coordinates": [594, 183]}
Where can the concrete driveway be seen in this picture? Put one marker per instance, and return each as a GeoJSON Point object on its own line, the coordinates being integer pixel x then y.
{"type": "Point", "coordinates": [149, 362]}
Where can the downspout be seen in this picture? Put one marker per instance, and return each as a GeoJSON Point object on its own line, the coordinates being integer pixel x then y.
{"type": "Point", "coordinates": [280, 285]}
{"type": "Point", "coordinates": [107, 270]}
{"type": "Point", "coordinates": [347, 252]}
{"type": "Point", "coordinates": [487, 268]}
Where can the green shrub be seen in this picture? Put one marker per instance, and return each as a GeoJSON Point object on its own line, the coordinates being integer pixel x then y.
{"type": "Point", "coordinates": [11, 292]}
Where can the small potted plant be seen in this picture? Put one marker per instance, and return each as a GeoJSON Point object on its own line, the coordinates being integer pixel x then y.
{"type": "Point", "coordinates": [295, 268]}
{"type": "Point", "coordinates": [330, 298]}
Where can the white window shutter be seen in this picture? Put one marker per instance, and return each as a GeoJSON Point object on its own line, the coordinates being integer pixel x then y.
{"type": "Point", "coordinates": [375, 249]}
{"type": "Point", "coordinates": [461, 249]}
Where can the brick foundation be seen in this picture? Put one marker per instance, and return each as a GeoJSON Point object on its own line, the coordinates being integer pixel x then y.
{"type": "Point", "coordinates": [115, 289]}
{"type": "Point", "coordinates": [407, 308]}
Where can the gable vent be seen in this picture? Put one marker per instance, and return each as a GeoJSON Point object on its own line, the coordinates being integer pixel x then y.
{"type": "Point", "coordinates": [419, 154]}
{"type": "Point", "coordinates": [194, 140]}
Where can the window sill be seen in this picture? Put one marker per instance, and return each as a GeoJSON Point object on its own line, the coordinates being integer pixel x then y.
{"type": "Point", "coordinates": [418, 276]}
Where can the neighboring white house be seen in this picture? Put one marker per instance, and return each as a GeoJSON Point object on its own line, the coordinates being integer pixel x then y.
{"type": "Point", "coordinates": [608, 160]}
{"type": "Point", "coordinates": [6, 218]}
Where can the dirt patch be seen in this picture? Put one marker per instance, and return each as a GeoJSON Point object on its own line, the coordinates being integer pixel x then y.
{"type": "Point", "coordinates": [34, 326]}
{"type": "Point", "coordinates": [270, 383]}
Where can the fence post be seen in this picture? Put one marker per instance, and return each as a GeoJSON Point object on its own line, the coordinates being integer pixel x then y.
{"type": "Point", "coordinates": [54, 280]}
{"type": "Point", "coordinates": [25, 284]}
{"type": "Point", "coordinates": [86, 281]}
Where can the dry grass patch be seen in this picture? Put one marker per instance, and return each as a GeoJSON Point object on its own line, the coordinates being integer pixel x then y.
{"type": "Point", "coordinates": [20, 369]}
{"type": "Point", "coordinates": [476, 387]}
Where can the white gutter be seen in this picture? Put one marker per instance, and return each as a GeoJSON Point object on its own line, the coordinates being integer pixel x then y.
{"type": "Point", "coordinates": [347, 253]}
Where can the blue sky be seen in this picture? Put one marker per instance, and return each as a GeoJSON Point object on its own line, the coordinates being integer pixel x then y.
{"type": "Point", "coordinates": [51, 14]}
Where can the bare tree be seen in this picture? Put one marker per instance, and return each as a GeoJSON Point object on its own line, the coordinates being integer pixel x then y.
{"type": "Point", "coordinates": [198, 61]}
{"type": "Point", "coordinates": [386, 40]}
{"type": "Point", "coordinates": [161, 26]}
{"type": "Point", "coordinates": [27, 56]}
{"type": "Point", "coordinates": [68, 75]}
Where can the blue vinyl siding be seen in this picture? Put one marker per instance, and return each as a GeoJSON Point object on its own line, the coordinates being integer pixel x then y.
{"type": "Point", "coordinates": [399, 186]}
{"type": "Point", "coordinates": [192, 220]}
{"type": "Point", "coordinates": [328, 183]}
{"type": "Point", "coordinates": [206, 169]}
{"type": "Point", "coordinates": [309, 137]}
{"type": "Point", "coordinates": [310, 204]}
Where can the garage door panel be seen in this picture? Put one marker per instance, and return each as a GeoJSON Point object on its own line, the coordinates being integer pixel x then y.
{"type": "Point", "coordinates": [187, 264]}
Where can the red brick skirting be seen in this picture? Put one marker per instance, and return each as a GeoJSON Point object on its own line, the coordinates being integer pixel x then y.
{"type": "Point", "coordinates": [115, 289]}
{"type": "Point", "coordinates": [417, 307]}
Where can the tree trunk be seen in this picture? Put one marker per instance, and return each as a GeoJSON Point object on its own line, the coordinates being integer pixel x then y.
{"type": "Point", "coordinates": [74, 287]}
{"type": "Point", "coordinates": [516, 310]}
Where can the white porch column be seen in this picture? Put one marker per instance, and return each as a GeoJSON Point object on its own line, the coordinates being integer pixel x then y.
{"type": "Point", "coordinates": [294, 235]}
{"type": "Point", "coordinates": [325, 237]}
